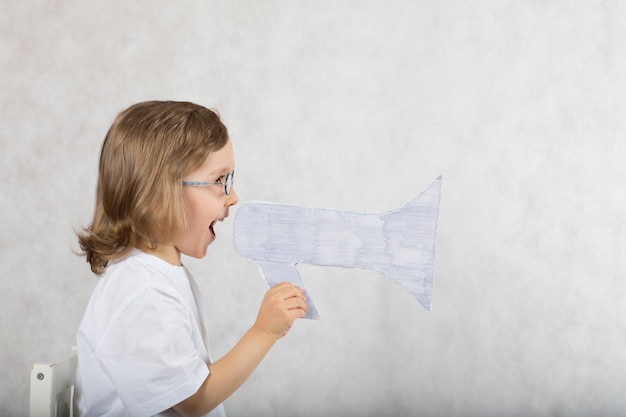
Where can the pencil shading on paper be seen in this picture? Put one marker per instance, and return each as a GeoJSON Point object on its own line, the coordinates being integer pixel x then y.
{"type": "Point", "coordinates": [399, 244]}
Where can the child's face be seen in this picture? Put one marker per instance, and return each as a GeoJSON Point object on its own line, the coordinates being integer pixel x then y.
{"type": "Point", "coordinates": [206, 205]}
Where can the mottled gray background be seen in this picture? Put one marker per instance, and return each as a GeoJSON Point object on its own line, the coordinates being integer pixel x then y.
{"type": "Point", "coordinates": [355, 105]}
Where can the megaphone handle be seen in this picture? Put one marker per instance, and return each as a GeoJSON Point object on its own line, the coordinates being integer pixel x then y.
{"type": "Point", "coordinates": [277, 272]}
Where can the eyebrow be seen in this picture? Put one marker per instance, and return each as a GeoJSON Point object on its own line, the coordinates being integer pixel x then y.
{"type": "Point", "coordinates": [222, 171]}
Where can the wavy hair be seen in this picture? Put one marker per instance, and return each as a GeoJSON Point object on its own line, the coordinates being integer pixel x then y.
{"type": "Point", "coordinates": [146, 153]}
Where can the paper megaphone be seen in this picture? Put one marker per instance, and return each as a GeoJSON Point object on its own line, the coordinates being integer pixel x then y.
{"type": "Point", "coordinates": [399, 244]}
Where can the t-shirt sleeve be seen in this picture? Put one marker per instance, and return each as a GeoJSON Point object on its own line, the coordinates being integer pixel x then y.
{"type": "Point", "coordinates": [149, 354]}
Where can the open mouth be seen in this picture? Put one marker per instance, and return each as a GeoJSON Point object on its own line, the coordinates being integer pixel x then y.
{"type": "Point", "coordinates": [212, 225]}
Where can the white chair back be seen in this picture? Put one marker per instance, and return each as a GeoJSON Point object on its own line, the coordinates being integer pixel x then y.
{"type": "Point", "coordinates": [52, 387]}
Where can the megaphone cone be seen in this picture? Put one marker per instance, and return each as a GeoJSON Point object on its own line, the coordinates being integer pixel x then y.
{"type": "Point", "coordinates": [399, 244]}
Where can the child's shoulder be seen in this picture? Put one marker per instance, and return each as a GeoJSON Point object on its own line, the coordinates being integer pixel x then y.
{"type": "Point", "coordinates": [139, 270]}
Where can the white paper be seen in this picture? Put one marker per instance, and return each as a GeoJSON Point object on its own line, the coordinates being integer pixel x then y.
{"type": "Point", "coordinates": [399, 244]}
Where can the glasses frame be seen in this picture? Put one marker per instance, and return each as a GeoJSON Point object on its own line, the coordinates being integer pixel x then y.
{"type": "Point", "coordinates": [227, 183]}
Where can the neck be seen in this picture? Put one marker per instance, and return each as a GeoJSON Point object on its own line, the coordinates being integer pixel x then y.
{"type": "Point", "coordinates": [168, 253]}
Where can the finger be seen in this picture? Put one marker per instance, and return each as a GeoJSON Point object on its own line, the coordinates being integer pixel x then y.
{"type": "Point", "coordinates": [287, 289]}
{"type": "Point", "coordinates": [299, 312]}
{"type": "Point", "coordinates": [285, 284]}
{"type": "Point", "coordinates": [295, 303]}
{"type": "Point", "coordinates": [281, 287]}
{"type": "Point", "coordinates": [298, 298]}
{"type": "Point", "coordinates": [296, 313]}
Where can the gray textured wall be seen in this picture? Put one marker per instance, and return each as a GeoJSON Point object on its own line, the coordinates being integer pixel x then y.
{"type": "Point", "coordinates": [354, 105]}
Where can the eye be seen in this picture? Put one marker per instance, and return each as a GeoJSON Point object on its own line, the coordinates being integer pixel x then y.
{"type": "Point", "coordinates": [220, 179]}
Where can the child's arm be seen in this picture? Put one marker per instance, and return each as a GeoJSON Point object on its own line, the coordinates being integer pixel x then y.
{"type": "Point", "coordinates": [281, 305]}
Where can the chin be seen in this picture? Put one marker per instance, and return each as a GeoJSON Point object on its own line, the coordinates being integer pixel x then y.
{"type": "Point", "coordinates": [198, 254]}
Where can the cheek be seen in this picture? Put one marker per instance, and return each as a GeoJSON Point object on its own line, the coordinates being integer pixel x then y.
{"type": "Point", "coordinates": [201, 211]}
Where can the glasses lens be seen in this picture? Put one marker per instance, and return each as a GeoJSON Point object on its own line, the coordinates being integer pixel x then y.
{"type": "Point", "coordinates": [228, 182]}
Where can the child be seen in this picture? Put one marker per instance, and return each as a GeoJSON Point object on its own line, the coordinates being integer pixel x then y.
{"type": "Point", "coordinates": [165, 179]}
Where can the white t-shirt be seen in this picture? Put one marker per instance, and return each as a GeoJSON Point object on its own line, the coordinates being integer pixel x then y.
{"type": "Point", "coordinates": [141, 343]}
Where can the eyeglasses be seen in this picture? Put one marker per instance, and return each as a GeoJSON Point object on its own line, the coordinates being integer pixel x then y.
{"type": "Point", "coordinates": [227, 183]}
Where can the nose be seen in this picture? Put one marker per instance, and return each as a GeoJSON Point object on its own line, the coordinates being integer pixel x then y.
{"type": "Point", "coordinates": [232, 198]}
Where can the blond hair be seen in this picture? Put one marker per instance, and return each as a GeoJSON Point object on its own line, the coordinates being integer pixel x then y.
{"type": "Point", "coordinates": [146, 153]}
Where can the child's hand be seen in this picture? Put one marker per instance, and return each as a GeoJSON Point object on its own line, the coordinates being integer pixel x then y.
{"type": "Point", "coordinates": [282, 304]}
